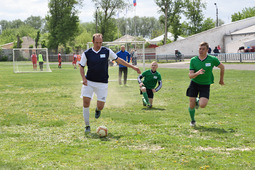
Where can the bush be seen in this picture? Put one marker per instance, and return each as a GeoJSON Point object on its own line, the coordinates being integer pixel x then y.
{"type": "Point", "coordinates": [4, 58]}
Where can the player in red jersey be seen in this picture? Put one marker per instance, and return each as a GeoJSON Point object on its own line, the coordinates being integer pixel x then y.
{"type": "Point", "coordinates": [74, 60]}
{"type": "Point", "coordinates": [34, 61]}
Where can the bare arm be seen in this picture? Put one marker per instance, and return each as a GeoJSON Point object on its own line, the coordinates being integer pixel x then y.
{"type": "Point", "coordinates": [124, 63]}
{"type": "Point", "coordinates": [193, 74]}
{"type": "Point", "coordinates": [82, 72]}
{"type": "Point", "coordinates": [222, 70]}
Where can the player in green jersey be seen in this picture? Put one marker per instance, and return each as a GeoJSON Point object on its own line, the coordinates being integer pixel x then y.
{"type": "Point", "coordinates": [201, 78]}
{"type": "Point", "coordinates": [147, 86]}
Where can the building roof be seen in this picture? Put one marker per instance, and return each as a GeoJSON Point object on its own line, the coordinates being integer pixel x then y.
{"type": "Point", "coordinates": [247, 30]}
{"type": "Point", "coordinates": [161, 37]}
{"type": "Point", "coordinates": [126, 38]}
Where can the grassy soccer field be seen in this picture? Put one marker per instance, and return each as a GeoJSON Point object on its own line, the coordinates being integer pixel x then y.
{"type": "Point", "coordinates": [41, 123]}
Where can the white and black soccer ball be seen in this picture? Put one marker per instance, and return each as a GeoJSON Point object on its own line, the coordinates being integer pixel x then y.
{"type": "Point", "coordinates": [102, 131]}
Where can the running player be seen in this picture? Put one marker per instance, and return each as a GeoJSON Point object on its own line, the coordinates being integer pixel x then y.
{"type": "Point", "coordinates": [201, 78]}
{"type": "Point", "coordinates": [74, 60]}
{"type": "Point", "coordinates": [147, 86]}
{"type": "Point", "coordinates": [96, 79]}
{"type": "Point", "coordinates": [34, 61]}
{"type": "Point", "coordinates": [59, 59]}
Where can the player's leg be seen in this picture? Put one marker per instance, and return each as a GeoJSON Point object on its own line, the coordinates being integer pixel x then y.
{"type": "Point", "coordinates": [125, 75]}
{"type": "Point", "coordinates": [192, 93]}
{"type": "Point", "coordinates": [204, 95]}
{"type": "Point", "coordinates": [150, 96]}
{"type": "Point", "coordinates": [101, 90]}
{"type": "Point", "coordinates": [87, 94]}
{"type": "Point", "coordinates": [145, 95]}
{"type": "Point", "coordinates": [120, 75]}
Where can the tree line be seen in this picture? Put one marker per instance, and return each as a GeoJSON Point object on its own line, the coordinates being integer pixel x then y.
{"type": "Point", "coordinates": [61, 28]}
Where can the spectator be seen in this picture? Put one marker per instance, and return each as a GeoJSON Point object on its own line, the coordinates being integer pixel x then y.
{"type": "Point", "coordinates": [178, 55]}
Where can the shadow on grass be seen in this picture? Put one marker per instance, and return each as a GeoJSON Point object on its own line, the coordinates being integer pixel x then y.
{"type": "Point", "coordinates": [153, 108]}
{"type": "Point", "coordinates": [108, 138]}
{"type": "Point", "coordinates": [211, 129]}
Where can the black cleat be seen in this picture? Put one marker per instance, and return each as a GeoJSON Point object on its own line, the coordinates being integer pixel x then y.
{"type": "Point", "coordinates": [87, 129]}
{"type": "Point", "coordinates": [97, 113]}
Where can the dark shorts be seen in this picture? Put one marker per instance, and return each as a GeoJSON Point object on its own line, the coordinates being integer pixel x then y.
{"type": "Point", "coordinates": [194, 89]}
{"type": "Point", "coordinates": [149, 93]}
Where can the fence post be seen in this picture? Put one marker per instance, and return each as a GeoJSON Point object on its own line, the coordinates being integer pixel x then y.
{"type": "Point", "coordinates": [240, 57]}
{"type": "Point", "coordinates": [166, 58]}
{"type": "Point", "coordinates": [225, 57]}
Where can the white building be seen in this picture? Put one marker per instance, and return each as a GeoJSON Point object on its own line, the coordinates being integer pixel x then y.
{"type": "Point", "coordinates": [229, 37]}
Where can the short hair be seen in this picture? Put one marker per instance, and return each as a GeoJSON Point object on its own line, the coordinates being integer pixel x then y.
{"type": "Point", "coordinates": [97, 35]}
{"type": "Point", "coordinates": [122, 46]}
{"type": "Point", "coordinates": [204, 44]}
{"type": "Point", "coordinates": [154, 62]}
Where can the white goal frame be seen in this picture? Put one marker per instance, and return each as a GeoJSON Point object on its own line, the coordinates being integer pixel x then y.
{"type": "Point", "coordinates": [125, 43]}
{"type": "Point", "coordinates": [46, 66]}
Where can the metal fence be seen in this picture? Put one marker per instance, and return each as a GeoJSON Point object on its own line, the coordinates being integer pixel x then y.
{"type": "Point", "coordinates": [236, 57]}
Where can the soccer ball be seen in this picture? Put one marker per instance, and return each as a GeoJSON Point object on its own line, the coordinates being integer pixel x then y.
{"type": "Point", "coordinates": [102, 131]}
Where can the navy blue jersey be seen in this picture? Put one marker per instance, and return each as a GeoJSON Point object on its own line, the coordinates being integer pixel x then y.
{"type": "Point", "coordinates": [97, 62]}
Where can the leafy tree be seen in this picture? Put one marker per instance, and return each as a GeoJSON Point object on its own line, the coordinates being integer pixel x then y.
{"type": "Point", "coordinates": [62, 22]}
{"type": "Point", "coordinates": [246, 13]}
{"type": "Point", "coordinates": [34, 21]}
{"type": "Point", "coordinates": [194, 14]}
{"type": "Point", "coordinates": [37, 39]}
{"type": "Point", "coordinates": [170, 8]}
{"type": "Point", "coordinates": [16, 23]}
{"type": "Point", "coordinates": [207, 24]}
{"type": "Point", "coordinates": [107, 9]}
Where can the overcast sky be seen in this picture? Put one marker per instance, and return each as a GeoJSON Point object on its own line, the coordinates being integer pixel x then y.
{"type": "Point", "coordinates": [22, 9]}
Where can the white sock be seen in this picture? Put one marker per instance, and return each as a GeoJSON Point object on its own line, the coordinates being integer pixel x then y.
{"type": "Point", "coordinates": [86, 115]}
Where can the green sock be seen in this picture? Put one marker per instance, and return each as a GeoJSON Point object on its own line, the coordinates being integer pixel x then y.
{"type": "Point", "coordinates": [192, 114]}
{"type": "Point", "coordinates": [145, 95]}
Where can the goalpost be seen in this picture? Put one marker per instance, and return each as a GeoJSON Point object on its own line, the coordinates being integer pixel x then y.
{"type": "Point", "coordinates": [135, 48]}
{"type": "Point", "coordinates": [23, 62]}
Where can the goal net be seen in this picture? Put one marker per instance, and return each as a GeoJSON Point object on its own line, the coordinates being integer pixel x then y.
{"type": "Point", "coordinates": [30, 60]}
{"type": "Point", "coordinates": [135, 48]}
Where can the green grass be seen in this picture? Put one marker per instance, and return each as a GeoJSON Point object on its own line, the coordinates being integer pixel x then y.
{"type": "Point", "coordinates": [42, 127]}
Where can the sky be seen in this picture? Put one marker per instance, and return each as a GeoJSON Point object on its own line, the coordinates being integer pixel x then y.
{"type": "Point", "coordinates": [22, 9]}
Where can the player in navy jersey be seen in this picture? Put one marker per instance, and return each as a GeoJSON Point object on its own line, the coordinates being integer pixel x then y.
{"type": "Point", "coordinates": [96, 79]}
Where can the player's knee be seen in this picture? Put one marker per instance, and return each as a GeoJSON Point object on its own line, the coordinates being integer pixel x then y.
{"type": "Point", "coordinates": [203, 105]}
{"type": "Point", "coordinates": [143, 89]}
{"type": "Point", "coordinates": [100, 107]}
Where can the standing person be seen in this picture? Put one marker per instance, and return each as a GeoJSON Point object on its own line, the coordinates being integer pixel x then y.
{"type": "Point", "coordinates": [216, 51]}
{"type": "Point", "coordinates": [123, 54]}
{"type": "Point", "coordinates": [40, 59]}
{"type": "Point", "coordinates": [147, 86]}
{"type": "Point", "coordinates": [96, 79]}
{"type": "Point", "coordinates": [59, 59]}
{"type": "Point", "coordinates": [201, 76]}
{"type": "Point", "coordinates": [74, 60]}
{"type": "Point", "coordinates": [34, 61]}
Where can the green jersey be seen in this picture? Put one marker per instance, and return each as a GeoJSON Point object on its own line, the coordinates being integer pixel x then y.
{"type": "Point", "coordinates": [151, 79]}
{"type": "Point", "coordinates": [207, 64]}
{"type": "Point", "coordinates": [40, 58]}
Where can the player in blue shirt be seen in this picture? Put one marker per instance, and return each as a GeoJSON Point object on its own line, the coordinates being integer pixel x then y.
{"type": "Point", "coordinates": [96, 79]}
{"type": "Point", "coordinates": [123, 54]}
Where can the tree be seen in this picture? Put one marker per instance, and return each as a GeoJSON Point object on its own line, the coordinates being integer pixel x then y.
{"type": "Point", "coordinates": [34, 21]}
{"type": "Point", "coordinates": [194, 14]}
{"type": "Point", "coordinates": [37, 39]}
{"type": "Point", "coordinates": [207, 24]}
{"type": "Point", "coordinates": [246, 13]}
{"type": "Point", "coordinates": [170, 8]}
{"type": "Point", "coordinates": [107, 9]}
{"type": "Point", "coordinates": [62, 22]}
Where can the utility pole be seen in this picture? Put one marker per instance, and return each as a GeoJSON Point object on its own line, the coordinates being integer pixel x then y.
{"type": "Point", "coordinates": [217, 20]}
{"type": "Point", "coordinates": [96, 18]}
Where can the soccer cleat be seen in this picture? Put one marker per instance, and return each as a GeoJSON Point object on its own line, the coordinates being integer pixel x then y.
{"type": "Point", "coordinates": [193, 123]}
{"type": "Point", "coordinates": [197, 103]}
{"type": "Point", "coordinates": [144, 102]}
{"type": "Point", "coordinates": [149, 106]}
{"type": "Point", "coordinates": [97, 113]}
{"type": "Point", "coordinates": [87, 129]}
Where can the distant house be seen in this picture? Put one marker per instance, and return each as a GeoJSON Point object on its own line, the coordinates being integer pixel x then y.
{"type": "Point", "coordinates": [161, 37]}
{"type": "Point", "coordinates": [27, 41]}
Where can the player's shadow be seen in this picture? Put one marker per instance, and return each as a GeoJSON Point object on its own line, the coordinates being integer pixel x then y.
{"type": "Point", "coordinates": [109, 137]}
{"type": "Point", "coordinates": [153, 108]}
{"type": "Point", "coordinates": [212, 129]}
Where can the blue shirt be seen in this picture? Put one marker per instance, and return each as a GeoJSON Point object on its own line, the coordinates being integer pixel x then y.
{"type": "Point", "coordinates": [123, 55]}
{"type": "Point", "coordinates": [97, 62]}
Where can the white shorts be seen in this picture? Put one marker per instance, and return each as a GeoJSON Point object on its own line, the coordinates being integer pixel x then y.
{"type": "Point", "coordinates": [100, 89]}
